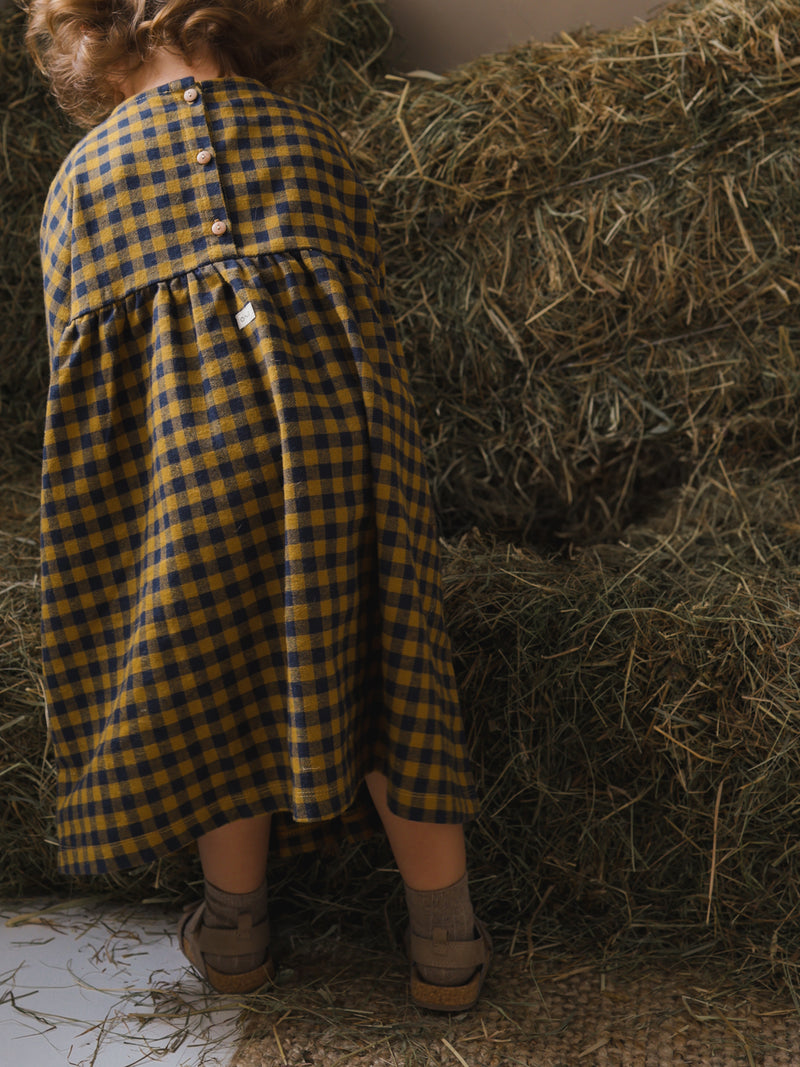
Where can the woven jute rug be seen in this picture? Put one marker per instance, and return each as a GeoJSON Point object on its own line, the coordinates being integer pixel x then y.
{"type": "Point", "coordinates": [337, 1005]}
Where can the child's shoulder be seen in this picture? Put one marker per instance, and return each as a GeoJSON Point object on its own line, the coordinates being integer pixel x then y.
{"type": "Point", "coordinates": [93, 151]}
{"type": "Point", "coordinates": [62, 186]}
{"type": "Point", "coordinates": [244, 93]}
{"type": "Point", "coordinates": [275, 115]}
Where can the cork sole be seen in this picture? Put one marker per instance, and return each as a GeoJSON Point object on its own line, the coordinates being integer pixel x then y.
{"type": "Point", "coordinates": [236, 984]}
{"type": "Point", "coordinates": [453, 998]}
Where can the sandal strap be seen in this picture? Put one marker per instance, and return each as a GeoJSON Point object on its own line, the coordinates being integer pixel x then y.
{"type": "Point", "coordinates": [440, 951]}
{"type": "Point", "coordinates": [248, 938]}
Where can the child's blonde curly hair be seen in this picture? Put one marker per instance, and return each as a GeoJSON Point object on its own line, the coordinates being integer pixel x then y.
{"type": "Point", "coordinates": [84, 46]}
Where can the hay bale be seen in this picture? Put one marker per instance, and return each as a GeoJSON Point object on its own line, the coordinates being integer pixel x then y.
{"type": "Point", "coordinates": [26, 775]}
{"type": "Point", "coordinates": [35, 140]}
{"type": "Point", "coordinates": [357, 40]}
{"type": "Point", "coordinates": [593, 247]}
{"type": "Point", "coordinates": [635, 718]}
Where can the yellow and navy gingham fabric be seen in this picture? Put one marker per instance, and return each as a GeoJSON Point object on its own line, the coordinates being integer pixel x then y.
{"type": "Point", "coordinates": [242, 605]}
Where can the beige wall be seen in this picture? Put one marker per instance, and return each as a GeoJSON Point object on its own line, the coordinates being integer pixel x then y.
{"type": "Point", "coordinates": [437, 34]}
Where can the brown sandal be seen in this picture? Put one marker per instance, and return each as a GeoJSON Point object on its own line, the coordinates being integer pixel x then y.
{"type": "Point", "coordinates": [196, 940]}
{"type": "Point", "coordinates": [438, 951]}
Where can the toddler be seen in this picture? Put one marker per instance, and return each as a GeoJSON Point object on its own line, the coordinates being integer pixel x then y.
{"type": "Point", "coordinates": [242, 612]}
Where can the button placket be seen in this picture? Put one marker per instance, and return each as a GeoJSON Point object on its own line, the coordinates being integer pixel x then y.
{"type": "Point", "coordinates": [204, 158]}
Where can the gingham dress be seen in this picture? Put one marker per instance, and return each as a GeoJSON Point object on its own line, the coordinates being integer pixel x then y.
{"type": "Point", "coordinates": [242, 607]}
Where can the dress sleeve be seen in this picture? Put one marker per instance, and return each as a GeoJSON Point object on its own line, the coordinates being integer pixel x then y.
{"type": "Point", "coordinates": [56, 253]}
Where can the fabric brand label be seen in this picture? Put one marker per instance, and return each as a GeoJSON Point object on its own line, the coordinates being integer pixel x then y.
{"type": "Point", "coordinates": [245, 315]}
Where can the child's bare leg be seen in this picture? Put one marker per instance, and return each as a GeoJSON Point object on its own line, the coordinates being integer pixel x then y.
{"type": "Point", "coordinates": [429, 855]}
{"type": "Point", "coordinates": [432, 862]}
{"type": "Point", "coordinates": [234, 860]}
{"type": "Point", "coordinates": [234, 857]}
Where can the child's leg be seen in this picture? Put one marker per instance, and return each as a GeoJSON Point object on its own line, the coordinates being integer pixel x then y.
{"type": "Point", "coordinates": [236, 941]}
{"type": "Point", "coordinates": [234, 857]}
{"type": "Point", "coordinates": [429, 855]}
{"type": "Point", "coordinates": [432, 862]}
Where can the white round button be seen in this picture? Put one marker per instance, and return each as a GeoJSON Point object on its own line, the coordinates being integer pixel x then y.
{"type": "Point", "coordinates": [203, 157]}
{"type": "Point", "coordinates": [190, 95]}
{"type": "Point", "coordinates": [218, 227]}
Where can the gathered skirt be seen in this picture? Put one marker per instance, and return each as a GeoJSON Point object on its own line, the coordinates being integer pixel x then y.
{"type": "Point", "coordinates": [242, 601]}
